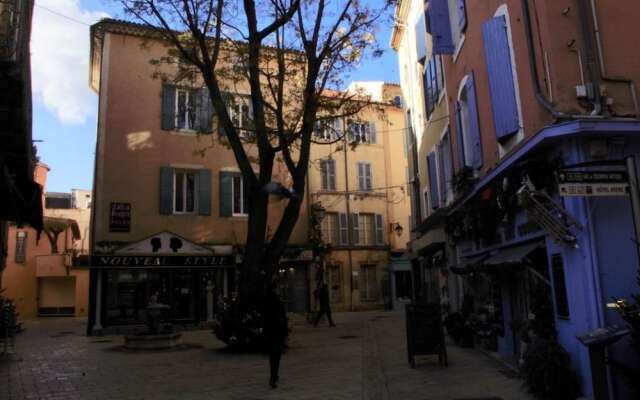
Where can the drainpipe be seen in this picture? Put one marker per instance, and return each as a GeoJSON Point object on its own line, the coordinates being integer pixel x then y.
{"type": "Point", "coordinates": [603, 73]}
{"type": "Point", "coordinates": [592, 65]}
{"type": "Point", "coordinates": [349, 222]}
{"type": "Point", "coordinates": [536, 81]}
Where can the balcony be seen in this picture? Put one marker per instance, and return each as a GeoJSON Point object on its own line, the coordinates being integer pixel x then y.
{"type": "Point", "coordinates": [53, 265]}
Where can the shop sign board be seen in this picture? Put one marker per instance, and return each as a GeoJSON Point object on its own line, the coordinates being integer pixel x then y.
{"type": "Point", "coordinates": [593, 183]}
{"type": "Point", "coordinates": [120, 217]}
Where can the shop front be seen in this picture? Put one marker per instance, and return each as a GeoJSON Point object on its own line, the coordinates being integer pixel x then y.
{"type": "Point", "coordinates": [191, 280]}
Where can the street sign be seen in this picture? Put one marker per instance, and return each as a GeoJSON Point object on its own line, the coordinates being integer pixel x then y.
{"type": "Point", "coordinates": [593, 183]}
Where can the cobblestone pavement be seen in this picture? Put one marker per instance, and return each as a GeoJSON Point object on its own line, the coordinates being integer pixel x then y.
{"type": "Point", "coordinates": [364, 357]}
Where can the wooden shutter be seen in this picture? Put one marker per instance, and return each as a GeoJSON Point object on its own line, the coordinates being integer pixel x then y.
{"type": "Point", "coordinates": [168, 111]}
{"type": "Point", "coordinates": [331, 170]}
{"type": "Point", "coordinates": [344, 229]}
{"type": "Point", "coordinates": [335, 228]}
{"type": "Point", "coordinates": [440, 26]}
{"type": "Point", "coordinates": [361, 183]}
{"type": "Point", "coordinates": [421, 39]}
{"type": "Point", "coordinates": [368, 177]}
{"type": "Point", "coordinates": [226, 196]}
{"type": "Point", "coordinates": [379, 229]}
{"type": "Point", "coordinates": [324, 174]}
{"type": "Point", "coordinates": [372, 133]}
{"type": "Point", "coordinates": [462, 162]}
{"type": "Point", "coordinates": [355, 229]}
{"type": "Point", "coordinates": [501, 85]}
{"type": "Point", "coordinates": [204, 192]}
{"type": "Point", "coordinates": [441, 174]}
{"type": "Point", "coordinates": [474, 123]}
{"type": "Point", "coordinates": [205, 111]}
{"type": "Point", "coordinates": [433, 180]}
{"type": "Point", "coordinates": [462, 15]}
{"type": "Point", "coordinates": [166, 190]}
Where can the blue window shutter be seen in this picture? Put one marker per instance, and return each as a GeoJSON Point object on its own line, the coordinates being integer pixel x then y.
{"type": "Point", "coordinates": [501, 87]}
{"type": "Point", "coordinates": [344, 229]}
{"type": "Point", "coordinates": [440, 25]}
{"type": "Point", "coordinates": [225, 197]}
{"type": "Point", "coordinates": [166, 190]}
{"type": "Point", "coordinates": [421, 39]}
{"type": "Point", "coordinates": [462, 15]}
{"type": "Point", "coordinates": [372, 133]}
{"type": "Point", "coordinates": [168, 107]}
{"type": "Point", "coordinates": [205, 111]}
{"type": "Point", "coordinates": [433, 180]}
{"type": "Point", "coordinates": [442, 178]}
{"type": "Point", "coordinates": [379, 229]}
{"type": "Point", "coordinates": [460, 135]}
{"type": "Point", "coordinates": [355, 229]}
{"type": "Point", "coordinates": [474, 123]}
{"type": "Point", "coordinates": [204, 192]}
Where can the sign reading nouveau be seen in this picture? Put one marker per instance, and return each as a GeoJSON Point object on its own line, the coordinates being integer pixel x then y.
{"type": "Point", "coordinates": [159, 261]}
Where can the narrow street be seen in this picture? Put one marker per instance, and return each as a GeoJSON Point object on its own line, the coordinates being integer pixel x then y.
{"type": "Point", "coordinates": [364, 357]}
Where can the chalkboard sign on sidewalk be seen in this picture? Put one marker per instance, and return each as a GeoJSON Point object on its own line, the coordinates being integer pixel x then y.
{"type": "Point", "coordinates": [424, 332]}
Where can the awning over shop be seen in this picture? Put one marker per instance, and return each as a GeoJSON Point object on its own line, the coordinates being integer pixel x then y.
{"type": "Point", "coordinates": [466, 264]}
{"type": "Point", "coordinates": [500, 259]}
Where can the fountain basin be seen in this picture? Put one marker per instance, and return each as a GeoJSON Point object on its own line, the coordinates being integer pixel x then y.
{"type": "Point", "coordinates": [159, 341]}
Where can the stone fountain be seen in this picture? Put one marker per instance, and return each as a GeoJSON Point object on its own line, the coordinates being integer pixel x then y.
{"type": "Point", "coordinates": [158, 336]}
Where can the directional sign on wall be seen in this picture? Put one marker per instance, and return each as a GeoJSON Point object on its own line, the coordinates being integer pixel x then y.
{"type": "Point", "coordinates": [593, 183]}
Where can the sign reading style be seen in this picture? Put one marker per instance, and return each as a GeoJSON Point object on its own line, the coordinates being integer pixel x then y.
{"type": "Point", "coordinates": [593, 183]}
{"type": "Point", "coordinates": [120, 217]}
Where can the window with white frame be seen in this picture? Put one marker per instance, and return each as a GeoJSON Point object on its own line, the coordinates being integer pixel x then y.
{"type": "Point", "coordinates": [465, 121]}
{"type": "Point", "coordinates": [327, 129]}
{"type": "Point", "coordinates": [367, 229]}
{"type": "Point", "coordinates": [184, 191]}
{"type": "Point", "coordinates": [241, 113]}
{"type": "Point", "coordinates": [185, 112]}
{"type": "Point", "coordinates": [433, 83]}
{"type": "Point", "coordinates": [331, 228]}
{"type": "Point", "coordinates": [21, 247]}
{"type": "Point", "coordinates": [328, 174]}
{"type": "Point", "coordinates": [458, 20]}
{"type": "Point", "coordinates": [364, 176]}
{"type": "Point", "coordinates": [362, 132]}
{"type": "Point", "coordinates": [239, 196]}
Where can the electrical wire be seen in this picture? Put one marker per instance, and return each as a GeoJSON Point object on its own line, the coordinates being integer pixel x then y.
{"type": "Point", "coordinates": [61, 15]}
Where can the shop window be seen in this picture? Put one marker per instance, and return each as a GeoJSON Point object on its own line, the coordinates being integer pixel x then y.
{"type": "Point", "coordinates": [368, 282]}
{"type": "Point", "coordinates": [21, 247]}
{"type": "Point", "coordinates": [559, 286]}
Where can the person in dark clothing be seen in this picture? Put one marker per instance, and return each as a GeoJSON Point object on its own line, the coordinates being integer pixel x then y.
{"type": "Point", "coordinates": [325, 307]}
{"type": "Point", "coordinates": [275, 330]}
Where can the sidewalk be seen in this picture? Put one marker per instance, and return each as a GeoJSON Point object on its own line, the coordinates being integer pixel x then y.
{"type": "Point", "coordinates": [364, 357]}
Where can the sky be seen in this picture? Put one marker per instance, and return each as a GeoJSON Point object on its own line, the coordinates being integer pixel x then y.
{"type": "Point", "coordinates": [65, 108]}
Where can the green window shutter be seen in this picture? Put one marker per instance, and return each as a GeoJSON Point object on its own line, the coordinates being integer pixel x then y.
{"type": "Point", "coordinates": [379, 230]}
{"type": "Point", "coordinates": [205, 111]}
{"type": "Point", "coordinates": [166, 190]}
{"type": "Point", "coordinates": [168, 107]}
{"type": "Point", "coordinates": [204, 192]}
{"type": "Point", "coordinates": [344, 229]}
{"type": "Point", "coordinates": [355, 230]}
{"type": "Point", "coordinates": [226, 195]}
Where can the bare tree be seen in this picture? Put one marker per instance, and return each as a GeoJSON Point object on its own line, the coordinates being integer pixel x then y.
{"type": "Point", "coordinates": [292, 56]}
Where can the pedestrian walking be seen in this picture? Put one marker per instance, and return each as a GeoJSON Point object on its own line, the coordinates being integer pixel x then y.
{"type": "Point", "coordinates": [275, 331]}
{"type": "Point", "coordinates": [325, 307]}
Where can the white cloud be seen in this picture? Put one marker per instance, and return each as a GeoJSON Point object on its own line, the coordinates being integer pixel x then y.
{"type": "Point", "coordinates": [60, 59]}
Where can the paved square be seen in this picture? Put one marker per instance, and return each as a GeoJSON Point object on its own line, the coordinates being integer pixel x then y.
{"type": "Point", "coordinates": [364, 357]}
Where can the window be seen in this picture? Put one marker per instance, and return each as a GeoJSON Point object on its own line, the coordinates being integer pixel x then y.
{"type": "Point", "coordinates": [328, 174]}
{"type": "Point", "coordinates": [185, 109]}
{"type": "Point", "coordinates": [241, 113]}
{"type": "Point", "coordinates": [368, 282]}
{"type": "Point", "coordinates": [433, 83]}
{"type": "Point", "coordinates": [559, 286]}
{"type": "Point", "coordinates": [184, 192]}
{"type": "Point", "coordinates": [458, 18]}
{"type": "Point", "coordinates": [445, 167]}
{"type": "Point", "coordinates": [433, 180]}
{"type": "Point", "coordinates": [331, 228]}
{"type": "Point", "coordinates": [364, 176]}
{"type": "Point", "coordinates": [239, 196]}
{"type": "Point", "coordinates": [21, 247]}
{"type": "Point", "coordinates": [362, 132]}
{"type": "Point", "coordinates": [334, 277]}
{"type": "Point", "coordinates": [368, 229]}
{"type": "Point", "coordinates": [328, 129]}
